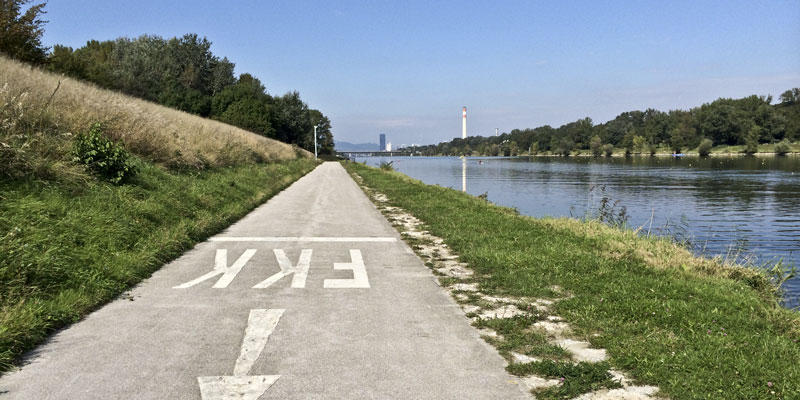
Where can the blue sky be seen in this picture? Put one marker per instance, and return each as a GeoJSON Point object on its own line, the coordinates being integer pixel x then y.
{"type": "Point", "coordinates": [405, 68]}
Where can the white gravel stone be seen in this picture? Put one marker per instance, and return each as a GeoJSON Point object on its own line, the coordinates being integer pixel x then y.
{"type": "Point", "coordinates": [581, 352]}
{"type": "Point", "coordinates": [465, 287]}
{"type": "Point", "coordinates": [522, 358]}
{"type": "Point", "coordinates": [536, 383]}
{"type": "Point", "coordinates": [629, 393]}
{"type": "Point", "coordinates": [553, 328]}
{"type": "Point", "coordinates": [505, 311]}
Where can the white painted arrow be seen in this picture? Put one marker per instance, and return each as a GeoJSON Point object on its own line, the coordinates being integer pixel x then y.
{"type": "Point", "coordinates": [260, 326]}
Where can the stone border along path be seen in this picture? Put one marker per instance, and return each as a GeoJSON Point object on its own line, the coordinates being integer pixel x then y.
{"type": "Point", "coordinates": [436, 254]}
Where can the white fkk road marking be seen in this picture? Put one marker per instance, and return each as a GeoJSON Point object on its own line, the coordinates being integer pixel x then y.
{"type": "Point", "coordinates": [359, 274]}
{"type": "Point", "coordinates": [260, 326]}
{"type": "Point", "coordinates": [300, 272]}
{"type": "Point", "coordinates": [221, 267]}
{"type": "Point", "coordinates": [300, 239]}
{"type": "Point", "coordinates": [229, 273]}
{"type": "Point", "coordinates": [359, 281]}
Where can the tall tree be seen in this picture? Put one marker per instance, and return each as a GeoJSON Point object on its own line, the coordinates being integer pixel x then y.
{"type": "Point", "coordinates": [324, 135]}
{"type": "Point", "coordinates": [21, 35]}
{"type": "Point", "coordinates": [290, 121]}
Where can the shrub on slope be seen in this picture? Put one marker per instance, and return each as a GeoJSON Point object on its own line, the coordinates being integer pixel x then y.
{"type": "Point", "coordinates": [40, 113]}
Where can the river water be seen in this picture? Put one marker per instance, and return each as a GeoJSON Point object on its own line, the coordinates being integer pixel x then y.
{"type": "Point", "coordinates": [740, 208]}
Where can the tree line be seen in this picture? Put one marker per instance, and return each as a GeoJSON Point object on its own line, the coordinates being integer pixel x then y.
{"type": "Point", "coordinates": [179, 72]}
{"type": "Point", "coordinates": [749, 122]}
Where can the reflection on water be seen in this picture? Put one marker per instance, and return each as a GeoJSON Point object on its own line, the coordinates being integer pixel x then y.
{"type": "Point", "coordinates": [463, 174]}
{"type": "Point", "coordinates": [735, 207]}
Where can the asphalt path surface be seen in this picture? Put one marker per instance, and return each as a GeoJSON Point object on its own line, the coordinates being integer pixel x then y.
{"type": "Point", "coordinates": [311, 296]}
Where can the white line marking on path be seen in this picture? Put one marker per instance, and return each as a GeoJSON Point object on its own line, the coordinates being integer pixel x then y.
{"type": "Point", "coordinates": [221, 267]}
{"type": "Point", "coordinates": [235, 387]}
{"type": "Point", "coordinates": [299, 239]}
{"type": "Point", "coordinates": [300, 272]}
{"type": "Point", "coordinates": [359, 280]}
{"type": "Point", "coordinates": [260, 326]}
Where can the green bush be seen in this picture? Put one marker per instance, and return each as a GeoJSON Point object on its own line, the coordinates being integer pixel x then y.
{"type": "Point", "coordinates": [102, 156]}
{"type": "Point", "coordinates": [705, 147]}
{"type": "Point", "coordinates": [387, 166]}
{"type": "Point", "coordinates": [782, 148]}
{"type": "Point", "coordinates": [608, 149]}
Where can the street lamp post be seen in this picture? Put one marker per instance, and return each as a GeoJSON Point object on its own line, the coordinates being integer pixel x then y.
{"type": "Point", "coordinates": [315, 141]}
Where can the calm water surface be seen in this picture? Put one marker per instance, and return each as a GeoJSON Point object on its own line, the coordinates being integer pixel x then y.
{"type": "Point", "coordinates": [736, 207]}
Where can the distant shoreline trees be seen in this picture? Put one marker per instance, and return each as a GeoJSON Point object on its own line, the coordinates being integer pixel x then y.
{"type": "Point", "coordinates": [749, 122]}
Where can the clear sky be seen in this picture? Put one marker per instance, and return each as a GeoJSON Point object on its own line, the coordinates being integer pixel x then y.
{"type": "Point", "coordinates": [405, 68]}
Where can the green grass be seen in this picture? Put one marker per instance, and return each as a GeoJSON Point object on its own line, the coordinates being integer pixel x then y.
{"type": "Point", "coordinates": [518, 337]}
{"type": "Point", "coordinates": [691, 326]}
{"type": "Point", "coordinates": [576, 379]}
{"type": "Point", "coordinates": [70, 246]}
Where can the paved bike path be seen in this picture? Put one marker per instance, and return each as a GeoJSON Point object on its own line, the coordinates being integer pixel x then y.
{"type": "Point", "coordinates": [311, 296]}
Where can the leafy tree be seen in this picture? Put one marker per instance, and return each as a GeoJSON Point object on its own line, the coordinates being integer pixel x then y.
{"type": "Point", "coordinates": [221, 75]}
{"type": "Point", "coordinates": [680, 136]}
{"type": "Point", "coordinates": [62, 59]}
{"type": "Point", "coordinates": [628, 143]}
{"type": "Point", "coordinates": [608, 149]}
{"type": "Point", "coordinates": [565, 146]}
{"type": "Point", "coordinates": [782, 148]}
{"type": "Point", "coordinates": [324, 135]}
{"type": "Point", "coordinates": [652, 148]}
{"type": "Point", "coordinates": [21, 35]}
{"type": "Point", "coordinates": [789, 110]}
{"type": "Point", "coordinates": [639, 144]}
{"type": "Point", "coordinates": [790, 97]}
{"type": "Point", "coordinates": [751, 142]}
{"type": "Point", "coordinates": [705, 147]}
{"type": "Point", "coordinates": [596, 145]}
{"type": "Point", "coordinates": [290, 122]}
{"type": "Point", "coordinates": [96, 59]}
{"type": "Point", "coordinates": [250, 114]}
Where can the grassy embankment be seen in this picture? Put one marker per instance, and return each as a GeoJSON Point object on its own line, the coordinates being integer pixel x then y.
{"type": "Point", "coordinates": [69, 241]}
{"type": "Point", "coordinates": [695, 328]}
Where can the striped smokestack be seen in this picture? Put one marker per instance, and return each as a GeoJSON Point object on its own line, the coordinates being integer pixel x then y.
{"type": "Point", "coordinates": [464, 125]}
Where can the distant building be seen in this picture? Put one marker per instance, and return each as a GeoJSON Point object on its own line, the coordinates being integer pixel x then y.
{"type": "Point", "coordinates": [383, 142]}
{"type": "Point", "coordinates": [389, 146]}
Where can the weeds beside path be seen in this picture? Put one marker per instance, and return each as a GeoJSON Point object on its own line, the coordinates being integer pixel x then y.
{"type": "Point", "coordinates": [68, 247]}
{"type": "Point", "coordinates": [692, 327]}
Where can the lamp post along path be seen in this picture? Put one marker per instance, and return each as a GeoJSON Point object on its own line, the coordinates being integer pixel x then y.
{"type": "Point", "coordinates": [315, 141]}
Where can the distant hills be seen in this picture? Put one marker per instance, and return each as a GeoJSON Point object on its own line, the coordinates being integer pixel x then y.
{"type": "Point", "coordinates": [347, 146]}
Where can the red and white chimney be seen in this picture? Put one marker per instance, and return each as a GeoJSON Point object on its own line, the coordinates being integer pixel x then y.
{"type": "Point", "coordinates": [464, 124]}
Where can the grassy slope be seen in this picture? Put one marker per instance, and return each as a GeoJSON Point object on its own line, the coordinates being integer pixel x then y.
{"type": "Point", "coordinates": [68, 248]}
{"type": "Point", "coordinates": [40, 112]}
{"type": "Point", "coordinates": [693, 327]}
{"type": "Point", "coordinates": [69, 242]}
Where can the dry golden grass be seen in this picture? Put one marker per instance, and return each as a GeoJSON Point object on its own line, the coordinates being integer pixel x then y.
{"type": "Point", "coordinates": [41, 111]}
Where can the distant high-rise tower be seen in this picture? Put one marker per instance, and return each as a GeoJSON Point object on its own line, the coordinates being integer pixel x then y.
{"type": "Point", "coordinates": [383, 142]}
{"type": "Point", "coordinates": [464, 125]}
